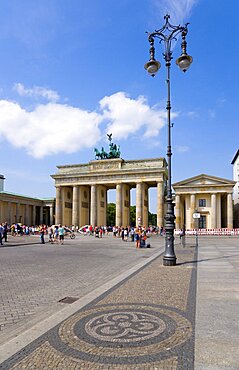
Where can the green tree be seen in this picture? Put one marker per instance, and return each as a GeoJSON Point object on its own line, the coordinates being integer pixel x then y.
{"type": "Point", "coordinates": [111, 211]}
{"type": "Point", "coordinates": [152, 219]}
{"type": "Point", "coordinates": [132, 215]}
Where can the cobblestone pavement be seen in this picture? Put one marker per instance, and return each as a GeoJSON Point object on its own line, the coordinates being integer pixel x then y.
{"type": "Point", "coordinates": [146, 322]}
{"type": "Point", "coordinates": [35, 277]}
{"type": "Point", "coordinates": [181, 317]}
{"type": "Point", "coordinates": [217, 325]}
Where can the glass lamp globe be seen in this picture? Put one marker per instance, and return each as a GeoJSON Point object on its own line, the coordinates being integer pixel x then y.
{"type": "Point", "coordinates": [152, 67]}
{"type": "Point", "coordinates": [184, 62]}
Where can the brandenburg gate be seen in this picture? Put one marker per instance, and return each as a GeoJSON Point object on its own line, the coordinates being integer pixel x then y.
{"type": "Point", "coordinates": [81, 190]}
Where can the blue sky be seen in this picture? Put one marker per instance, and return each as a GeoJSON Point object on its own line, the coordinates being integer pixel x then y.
{"type": "Point", "coordinates": [71, 71]}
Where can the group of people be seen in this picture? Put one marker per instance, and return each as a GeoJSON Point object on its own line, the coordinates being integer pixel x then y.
{"type": "Point", "coordinates": [134, 234]}
{"type": "Point", "coordinates": [56, 234]}
{"type": "Point", "coordinates": [18, 229]}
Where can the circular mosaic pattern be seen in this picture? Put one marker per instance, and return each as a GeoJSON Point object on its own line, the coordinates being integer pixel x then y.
{"type": "Point", "coordinates": [124, 327]}
{"type": "Point", "coordinates": [123, 333]}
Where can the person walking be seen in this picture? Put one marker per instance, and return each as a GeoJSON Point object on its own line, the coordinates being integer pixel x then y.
{"type": "Point", "coordinates": [126, 234]}
{"type": "Point", "coordinates": [56, 234]}
{"type": "Point", "coordinates": [132, 234]}
{"type": "Point", "coordinates": [137, 238]}
{"type": "Point", "coordinates": [51, 234]}
{"type": "Point", "coordinates": [1, 234]}
{"type": "Point", "coordinates": [5, 231]}
{"type": "Point", "coordinates": [42, 233]}
{"type": "Point", "coordinates": [61, 234]}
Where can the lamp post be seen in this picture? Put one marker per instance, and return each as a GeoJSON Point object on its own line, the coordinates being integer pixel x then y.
{"type": "Point", "coordinates": [166, 35]}
{"type": "Point", "coordinates": [196, 215]}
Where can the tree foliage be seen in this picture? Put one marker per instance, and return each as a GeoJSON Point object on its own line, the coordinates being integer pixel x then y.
{"type": "Point", "coordinates": [111, 212]}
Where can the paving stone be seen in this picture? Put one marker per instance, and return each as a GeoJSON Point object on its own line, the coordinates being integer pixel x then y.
{"type": "Point", "coordinates": [148, 320]}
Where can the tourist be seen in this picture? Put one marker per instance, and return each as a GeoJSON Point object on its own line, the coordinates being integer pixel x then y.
{"type": "Point", "coordinates": [42, 232]}
{"type": "Point", "coordinates": [122, 233]}
{"type": "Point", "coordinates": [126, 234]}
{"type": "Point", "coordinates": [5, 228]}
{"type": "Point", "coordinates": [56, 233]}
{"type": "Point", "coordinates": [131, 233]}
{"type": "Point", "coordinates": [90, 230]}
{"type": "Point", "coordinates": [115, 231]}
{"type": "Point", "coordinates": [1, 234]}
{"type": "Point", "coordinates": [51, 234]}
{"type": "Point", "coordinates": [137, 238]}
{"type": "Point", "coordinates": [182, 235]}
{"type": "Point", "coordinates": [61, 234]}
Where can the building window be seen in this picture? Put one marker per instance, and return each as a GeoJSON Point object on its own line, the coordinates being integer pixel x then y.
{"type": "Point", "coordinates": [202, 222]}
{"type": "Point", "coordinates": [202, 203]}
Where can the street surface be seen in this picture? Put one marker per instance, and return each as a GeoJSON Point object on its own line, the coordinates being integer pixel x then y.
{"type": "Point", "coordinates": [35, 277]}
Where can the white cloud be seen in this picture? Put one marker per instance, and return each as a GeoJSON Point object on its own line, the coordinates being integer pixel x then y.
{"type": "Point", "coordinates": [36, 92]}
{"type": "Point", "coordinates": [127, 116]}
{"type": "Point", "coordinates": [179, 10]}
{"type": "Point", "coordinates": [49, 129]}
{"type": "Point", "coordinates": [53, 128]}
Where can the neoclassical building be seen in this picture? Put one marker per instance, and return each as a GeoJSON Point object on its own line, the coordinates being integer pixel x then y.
{"type": "Point", "coordinates": [211, 196]}
{"type": "Point", "coordinates": [16, 208]}
{"type": "Point", "coordinates": [81, 194]}
{"type": "Point", "coordinates": [81, 190]}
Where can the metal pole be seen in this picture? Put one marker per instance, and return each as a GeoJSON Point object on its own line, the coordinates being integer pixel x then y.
{"type": "Point", "coordinates": [197, 232]}
{"type": "Point", "coordinates": [169, 258]}
{"type": "Point", "coordinates": [167, 34]}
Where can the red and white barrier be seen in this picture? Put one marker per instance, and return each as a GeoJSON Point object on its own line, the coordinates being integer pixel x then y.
{"type": "Point", "coordinates": [221, 231]}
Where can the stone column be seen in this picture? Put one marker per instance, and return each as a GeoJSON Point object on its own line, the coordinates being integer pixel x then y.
{"type": "Point", "coordinates": [213, 211]}
{"type": "Point", "coordinates": [118, 217]}
{"type": "Point", "coordinates": [17, 212]}
{"type": "Point", "coordinates": [34, 215]}
{"type": "Point", "coordinates": [51, 215]}
{"type": "Point", "coordinates": [177, 213]}
{"type": "Point", "coordinates": [101, 205]}
{"type": "Point", "coordinates": [188, 214]}
{"type": "Point", "coordinates": [84, 208]}
{"type": "Point", "coordinates": [58, 219]}
{"type": "Point", "coordinates": [41, 215]}
{"type": "Point", "coordinates": [160, 204]}
{"type": "Point", "coordinates": [145, 205]}
{"type": "Point", "coordinates": [47, 218]}
{"type": "Point", "coordinates": [93, 205]}
{"type": "Point", "coordinates": [219, 211]}
{"type": "Point", "coordinates": [139, 208]}
{"type": "Point", "coordinates": [192, 207]}
{"type": "Point", "coordinates": [229, 211]}
{"type": "Point", "coordinates": [9, 213]}
{"type": "Point", "coordinates": [75, 206]}
{"type": "Point", "coordinates": [125, 205]}
{"type": "Point", "coordinates": [26, 216]}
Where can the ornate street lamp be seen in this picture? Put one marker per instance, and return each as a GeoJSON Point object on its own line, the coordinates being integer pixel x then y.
{"type": "Point", "coordinates": [167, 34]}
